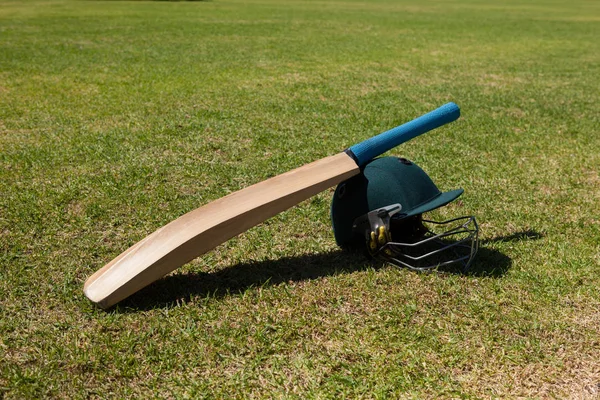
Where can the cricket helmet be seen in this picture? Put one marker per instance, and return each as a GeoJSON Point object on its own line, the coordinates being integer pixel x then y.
{"type": "Point", "coordinates": [383, 208]}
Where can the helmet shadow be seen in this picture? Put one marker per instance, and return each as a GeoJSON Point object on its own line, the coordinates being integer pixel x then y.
{"type": "Point", "coordinates": [493, 263]}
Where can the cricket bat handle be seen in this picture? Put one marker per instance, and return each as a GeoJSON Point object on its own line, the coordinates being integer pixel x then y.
{"type": "Point", "coordinates": [365, 151]}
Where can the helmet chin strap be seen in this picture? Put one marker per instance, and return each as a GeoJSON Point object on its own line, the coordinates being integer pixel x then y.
{"type": "Point", "coordinates": [425, 248]}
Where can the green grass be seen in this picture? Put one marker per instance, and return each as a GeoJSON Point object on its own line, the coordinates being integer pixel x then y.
{"type": "Point", "coordinates": [116, 117]}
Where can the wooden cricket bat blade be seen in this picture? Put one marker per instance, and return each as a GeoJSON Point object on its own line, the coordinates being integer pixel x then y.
{"type": "Point", "coordinates": [201, 230]}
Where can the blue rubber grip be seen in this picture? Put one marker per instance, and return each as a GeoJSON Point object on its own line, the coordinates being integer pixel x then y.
{"type": "Point", "coordinates": [365, 151]}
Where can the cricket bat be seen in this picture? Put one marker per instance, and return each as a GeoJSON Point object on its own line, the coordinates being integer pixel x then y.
{"type": "Point", "coordinates": [203, 229]}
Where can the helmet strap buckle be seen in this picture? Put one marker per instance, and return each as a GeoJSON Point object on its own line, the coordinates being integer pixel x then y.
{"type": "Point", "coordinates": [375, 226]}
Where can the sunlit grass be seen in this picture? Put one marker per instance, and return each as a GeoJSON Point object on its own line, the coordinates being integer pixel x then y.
{"type": "Point", "coordinates": [117, 117]}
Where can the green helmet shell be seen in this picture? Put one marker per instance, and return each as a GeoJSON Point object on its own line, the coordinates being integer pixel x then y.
{"type": "Point", "coordinates": [384, 181]}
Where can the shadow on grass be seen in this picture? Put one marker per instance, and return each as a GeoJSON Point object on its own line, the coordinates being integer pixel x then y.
{"type": "Point", "coordinates": [240, 277]}
{"type": "Point", "coordinates": [168, 1]}
{"type": "Point", "coordinates": [529, 234]}
{"type": "Point", "coordinates": [492, 263]}
{"type": "Point", "coordinates": [168, 291]}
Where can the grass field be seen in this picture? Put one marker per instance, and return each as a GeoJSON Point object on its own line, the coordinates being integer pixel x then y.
{"type": "Point", "coordinates": [116, 117]}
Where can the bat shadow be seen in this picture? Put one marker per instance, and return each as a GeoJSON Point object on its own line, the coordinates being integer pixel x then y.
{"type": "Point", "coordinates": [174, 289]}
